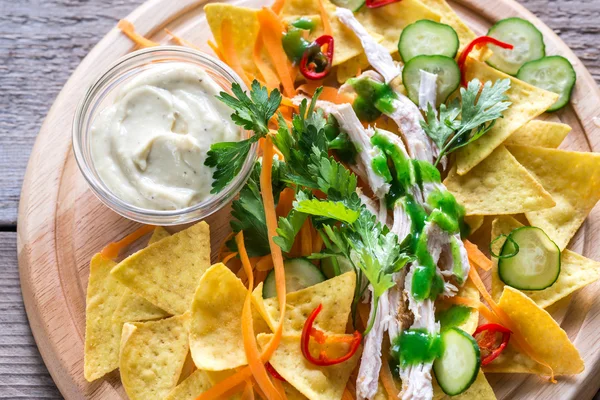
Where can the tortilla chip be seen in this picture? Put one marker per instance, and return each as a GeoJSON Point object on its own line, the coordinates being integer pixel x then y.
{"type": "Point", "coordinates": [540, 133]}
{"type": "Point", "coordinates": [152, 356]}
{"type": "Point", "coordinates": [335, 295]}
{"type": "Point", "coordinates": [316, 383]}
{"type": "Point", "coordinates": [527, 103]}
{"type": "Point", "coordinates": [498, 185]}
{"type": "Point", "coordinates": [188, 368]}
{"type": "Point", "coordinates": [576, 270]}
{"type": "Point", "coordinates": [469, 291]}
{"type": "Point", "coordinates": [573, 180]}
{"type": "Point", "coordinates": [167, 273]}
{"type": "Point", "coordinates": [542, 333]}
{"type": "Point", "coordinates": [355, 65]}
{"type": "Point", "coordinates": [191, 387]}
{"type": "Point", "coordinates": [449, 17]}
{"type": "Point", "coordinates": [102, 334]}
{"type": "Point", "coordinates": [216, 338]}
{"type": "Point", "coordinates": [159, 234]}
{"type": "Point", "coordinates": [479, 390]}
{"type": "Point", "coordinates": [474, 222]}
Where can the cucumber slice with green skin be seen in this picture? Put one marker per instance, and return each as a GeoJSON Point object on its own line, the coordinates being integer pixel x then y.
{"type": "Point", "coordinates": [527, 40]}
{"type": "Point", "coordinates": [353, 5]}
{"type": "Point", "coordinates": [334, 266]}
{"type": "Point", "coordinates": [457, 368]}
{"type": "Point", "coordinates": [536, 265]}
{"type": "Point", "coordinates": [299, 274]}
{"type": "Point", "coordinates": [446, 69]}
{"type": "Point", "coordinates": [427, 37]}
{"type": "Point", "coordinates": [552, 73]}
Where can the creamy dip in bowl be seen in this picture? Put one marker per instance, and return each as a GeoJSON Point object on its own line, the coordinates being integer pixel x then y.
{"type": "Point", "coordinates": [142, 133]}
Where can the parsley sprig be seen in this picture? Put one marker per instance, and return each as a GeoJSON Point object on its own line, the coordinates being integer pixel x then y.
{"type": "Point", "coordinates": [479, 108]}
{"type": "Point", "coordinates": [253, 114]}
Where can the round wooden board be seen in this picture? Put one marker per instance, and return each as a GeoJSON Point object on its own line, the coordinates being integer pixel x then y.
{"type": "Point", "coordinates": [62, 224]}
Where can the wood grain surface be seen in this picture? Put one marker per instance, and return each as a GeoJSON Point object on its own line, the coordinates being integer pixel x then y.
{"type": "Point", "coordinates": [41, 42]}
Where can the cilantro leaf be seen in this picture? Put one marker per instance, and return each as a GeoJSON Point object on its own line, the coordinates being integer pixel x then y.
{"type": "Point", "coordinates": [326, 208]}
{"type": "Point", "coordinates": [288, 229]}
{"type": "Point", "coordinates": [252, 113]}
{"type": "Point", "coordinates": [480, 107]}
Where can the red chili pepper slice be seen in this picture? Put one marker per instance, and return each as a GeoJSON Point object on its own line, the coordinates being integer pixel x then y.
{"type": "Point", "coordinates": [379, 3]}
{"type": "Point", "coordinates": [488, 341]}
{"type": "Point", "coordinates": [480, 41]}
{"type": "Point", "coordinates": [274, 373]}
{"type": "Point", "coordinates": [321, 337]}
{"type": "Point", "coordinates": [310, 58]}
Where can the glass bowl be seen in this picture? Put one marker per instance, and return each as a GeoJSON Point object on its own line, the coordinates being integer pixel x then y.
{"type": "Point", "coordinates": [100, 95]}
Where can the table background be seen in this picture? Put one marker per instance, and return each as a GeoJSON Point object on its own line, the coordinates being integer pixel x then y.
{"type": "Point", "coordinates": [41, 43]}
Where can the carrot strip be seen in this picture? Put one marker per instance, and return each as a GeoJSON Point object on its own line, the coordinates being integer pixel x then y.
{"type": "Point", "coordinates": [347, 395]}
{"type": "Point", "coordinates": [325, 19]}
{"type": "Point", "coordinates": [129, 30]}
{"type": "Point", "coordinates": [228, 258]}
{"type": "Point", "coordinates": [385, 375]}
{"type": "Point", "coordinates": [265, 263]}
{"type": "Point", "coordinates": [181, 41]}
{"type": "Point", "coordinates": [277, 6]}
{"type": "Point", "coordinates": [217, 51]}
{"type": "Point", "coordinates": [271, 31]}
{"type": "Point", "coordinates": [279, 386]}
{"type": "Point", "coordinates": [477, 257]}
{"type": "Point", "coordinates": [112, 250]}
{"type": "Point", "coordinates": [306, 239]}
{"type": "Point", "coordinates": [250, 346]}
{"type": "Point", "coordinates": [265, 70]}
{"type": "Point", "coordinates": [248, 393]}
{"type": "Point", "coordinates": [286, 200]}
{"type": "Point", "coordinates": [517, 337]}
{"type": "Point", "coordinates": [229, 52]}
{"type": "Point", "coordinates": [329, 93]}
{"type": "Point", "coordinates": [317, 243]}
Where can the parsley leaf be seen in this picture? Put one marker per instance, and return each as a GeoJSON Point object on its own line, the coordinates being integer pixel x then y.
{"type": "Point", "coordinates": [252, 113]}
{"type": "Point", "coordinates": [325, 208]}
{"type": "Point", "coordinates": [288, 229]}
{"type": "Point", "coordinates": [479, 109]}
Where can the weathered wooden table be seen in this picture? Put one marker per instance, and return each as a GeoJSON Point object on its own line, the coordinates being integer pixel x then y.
{"type": "Point", "coordinates": [41, 43]}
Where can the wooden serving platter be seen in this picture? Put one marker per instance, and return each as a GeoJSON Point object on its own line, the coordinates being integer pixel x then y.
{"type": "Point", "coordinates": [62, 224]}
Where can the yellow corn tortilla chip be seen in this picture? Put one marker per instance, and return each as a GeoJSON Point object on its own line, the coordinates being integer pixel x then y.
{"type": "Point", "coordinates": [334, 294]}
{"type": "Point", "coordinates": [133, 307]}
{"type": "Point", "coordinates": [479, 390]}
{"type": "Point", "coordinates": [576, 271]}
{"type": "Point", "coordinates": [540, 133]}
{"type": "Point", "coordinates": [498, 185]}
{"type": "Point", "coordinates": [102, 333]}
{"type": "Point", "coordinates": [216, 330]}
{"type": "Point", "coordinates": [542, 333]}
{"type": "Point", "coordinates": [167, 273]}
{"type": "Point", "coordinates": [152, 356]}
{"type": "Point", "coordinates": [449, 17]}
{"type": "Point", "coordinates": [315, 382]}
{"type": "Point", "coordinates": [474, 222]}
{"type": "Point", "coordinates": [573, 180]}
{"type": "Point", "coordinates": [192, 387]}
{"type": "Point", "coordinates": [527, 103]}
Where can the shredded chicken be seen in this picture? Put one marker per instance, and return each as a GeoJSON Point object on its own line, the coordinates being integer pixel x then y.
{"type": "Point", "coordinates": [427, 90]}
{"type": "Point", "coordinates": [378, 56]}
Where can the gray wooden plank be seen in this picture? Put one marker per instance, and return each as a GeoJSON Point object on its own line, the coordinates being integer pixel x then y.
{"type": "Point", "coordinates": [23, 374]}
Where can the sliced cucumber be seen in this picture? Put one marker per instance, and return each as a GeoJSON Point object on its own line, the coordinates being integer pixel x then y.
{"type": "Point", "coordinates": [457, 368]}
{"type": "Point", "coordinates": [334, 266]}
{"type": "Point", "coordinates": [446, 69]}
{"type": "Point", "coordinates": [353, 5]}
{"type": "Point", "coordinates": [426, 37]}
{"type": "Point", "coordinates": [527, 40]}
{"type": "Point", "coordinates": [536, 265]}
{"type": "Point", "coordinates": [553, 73]}
{"type": "Point", "coordinates": [299, 274]}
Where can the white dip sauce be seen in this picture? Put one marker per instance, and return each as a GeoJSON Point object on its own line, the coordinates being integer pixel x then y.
{"type": "Point", "coordinates": [149, 146]}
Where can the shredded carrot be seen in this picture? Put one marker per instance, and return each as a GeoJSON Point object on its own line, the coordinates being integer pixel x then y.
{"type": "Point", "coordinates": [325, 19]}
{"type": "Point", "coordinates": [277, 6]}
{"type": "Point", "coordinates": [385, 375]}
{"type": "Point", "coordinates": [347, 395]}
{"type": "Point", "coordinates": [181, 41]}
{"type": "Point", "coordinates": [217, 51]}
{"type": "Point", "coordinates": [260, 276]}
{"type": "Point", "coordinates": [517, 337]}
{"type": "Point", "coordinates": [286, 101]}
{"type": "Point", "coordinates": [306, 239]}
{"type": "Point", "coordinates": [329, 93]}
{"type": "Point", "coordinates": [268, 74]}
{"type": "Point", "coordinates": [229, 52]}
{"type": "Point", "coordinates": [286, 200]}
{"type": "Point", "coordinates": [265, 263]}
{"type": "Point", "coordinates": [248, 393]}
{"type": "Point", "coordinates": [477, 257]}
{"type": "Point", "coordinates": [112, 250]}
{"type": "Point", "coordinates": [271, 31]}
{"type": "Point", "coordinates": [317, 242]}
{"type": "Point", "coordinates": [279, 386]}
{"type": "Point", "coordinates": [250, 346]}
{"type": "Point", "coordinates": [228, 258]}
{"type": "Point", "coordinates": [129, 30]}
